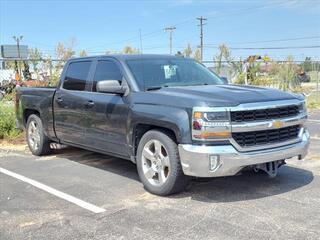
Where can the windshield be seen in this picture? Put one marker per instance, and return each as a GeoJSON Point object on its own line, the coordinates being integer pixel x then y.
{"type": "Point", "coordinates": [161, 72]}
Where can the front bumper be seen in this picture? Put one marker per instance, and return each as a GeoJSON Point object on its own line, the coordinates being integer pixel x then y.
{"type": "Point", "coordinates": [195, 158]}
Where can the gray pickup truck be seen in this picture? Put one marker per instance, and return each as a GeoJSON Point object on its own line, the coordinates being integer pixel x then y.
{"type": "Point", "coordinates": [170, 115]}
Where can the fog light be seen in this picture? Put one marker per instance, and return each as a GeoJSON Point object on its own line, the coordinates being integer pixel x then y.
{"type": "Point", "coordinates": [214, 162]}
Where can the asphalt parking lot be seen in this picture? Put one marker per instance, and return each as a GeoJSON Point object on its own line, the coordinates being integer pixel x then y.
{"type": "Point", "coordinates": [76, 194]}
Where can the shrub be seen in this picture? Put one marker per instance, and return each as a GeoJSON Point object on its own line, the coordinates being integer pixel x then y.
{"type": "Point", "coordinates": [7, 121]}
{"type": "Point", "coordinates": [313, 101]}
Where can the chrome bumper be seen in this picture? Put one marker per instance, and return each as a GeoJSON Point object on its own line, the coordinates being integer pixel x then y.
{"type": "Point", "coordinates": [195, 158]}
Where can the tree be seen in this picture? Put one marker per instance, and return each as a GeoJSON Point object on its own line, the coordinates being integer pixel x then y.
{"type": "Point", "coordinates": [197, 55]}
{"type": "Point", "coordinates": [35, 55]}
{"type": "Point", "coordinates": [235, 67]}
{"type": "Point", "coordinates": [130, 50]}
{"type": "Point", "coordinates": [218, 58]}
{"type": "Point", "coordinates": [188, 51]}
{"type": "Point", "coordinates": [83, 53]}
{"type": "Point", "coordinates": [63, 52]}
{"type": "Point", "coordinates": [287, 73]}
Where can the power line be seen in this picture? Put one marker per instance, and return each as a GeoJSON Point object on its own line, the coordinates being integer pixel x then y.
{"type": "Point", "coordinates": [237, 12]}
{"type": "Point", "coordinates": [273, 40]}
{"type": "Point", "coordinates": [153, 33]}
{"type": "Point", "coordinates": [267, 48]}
{"type": "Point", "coordinates": [213, 18]}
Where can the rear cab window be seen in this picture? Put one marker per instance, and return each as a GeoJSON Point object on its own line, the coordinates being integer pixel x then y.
{"type": "Point", "coordinates": [77, 75]}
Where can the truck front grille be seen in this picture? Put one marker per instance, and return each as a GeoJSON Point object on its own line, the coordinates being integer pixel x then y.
{"type": "Point", "coordinates": [248, 139]}
{"type": "Point", "coordinates": [264, 114]}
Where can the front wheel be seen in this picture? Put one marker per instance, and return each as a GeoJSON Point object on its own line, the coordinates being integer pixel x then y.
{"type": "Point", "coordinates": [38, 142]}
{"type": "Point", "coordinates": [158, 164]}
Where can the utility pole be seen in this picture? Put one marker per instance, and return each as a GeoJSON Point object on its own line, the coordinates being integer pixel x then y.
{"type": "Point", "coordinates": [140, 41]}
{"type": "Point", "coordinates": [201, 19]}
{"type": "Point", "coordinates": [18, 39]}
{"type": "Point", "coordinates": [170, 30]}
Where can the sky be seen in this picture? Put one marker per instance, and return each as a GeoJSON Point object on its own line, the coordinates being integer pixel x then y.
{"type": "Point", "coordinates": [100, 26]}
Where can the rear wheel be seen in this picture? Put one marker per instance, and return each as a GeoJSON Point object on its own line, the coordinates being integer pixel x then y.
{"type": "Point", "coordinates": [158, 164]}
{"type": "Point", "coordinates": [38, 142]}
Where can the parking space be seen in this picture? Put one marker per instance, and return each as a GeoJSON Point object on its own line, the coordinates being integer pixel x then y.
{"type": "Point", "coordinates": [241, 207]}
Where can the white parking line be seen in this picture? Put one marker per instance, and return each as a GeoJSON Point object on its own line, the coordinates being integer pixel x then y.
{"type": "Point", "coordinates": [315, 138]}
{"type": "Point", "coordinates": [314, 120]}
{"type": "Point", "coordinates": [55, 192]}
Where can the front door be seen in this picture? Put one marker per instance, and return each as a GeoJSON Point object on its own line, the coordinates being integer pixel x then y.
{"type": "Point", "coordinates": [107, 117]}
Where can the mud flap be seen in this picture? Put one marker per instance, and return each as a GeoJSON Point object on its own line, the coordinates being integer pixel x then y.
{"type": "Point", "coordinates": [271, 168]}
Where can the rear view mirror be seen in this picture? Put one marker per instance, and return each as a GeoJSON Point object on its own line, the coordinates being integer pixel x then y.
{"type": "Point", "coordinates": [224, 80]}
{"type": "Point", "coordinates": [110, 86]}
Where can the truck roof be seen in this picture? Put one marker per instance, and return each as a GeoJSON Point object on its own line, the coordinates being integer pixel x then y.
{"type": "Point", "coordinates": [128, 56]}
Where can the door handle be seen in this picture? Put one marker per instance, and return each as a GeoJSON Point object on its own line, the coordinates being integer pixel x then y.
{"type": "Point", "coordinates": [89, 104]}
{"type": "Point", "coordinates": [59, 100]}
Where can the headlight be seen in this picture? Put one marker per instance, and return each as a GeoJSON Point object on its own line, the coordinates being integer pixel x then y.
{"type": "Point", "coordinates": [303, 107]}
{"type": "Point", "coordinates": [210, 124]}
{"type": "Point", "coordinates": [216, 116]}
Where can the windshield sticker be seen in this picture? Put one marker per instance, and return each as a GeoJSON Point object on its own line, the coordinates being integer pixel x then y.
{"type": "Point", "coordinates": [170, 71]}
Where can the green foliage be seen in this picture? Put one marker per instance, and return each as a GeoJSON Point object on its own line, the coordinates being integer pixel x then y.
{"type": "Point", "coordinates": [130, 50]}
{"type": "Point", "coordinates": [240, 79]}
{"type": "Point", "coordinates": [313, 101]}
{"type": "Point", "coordinates": [197, 55]}
{"type": "Point", "coordinates": [188, 51]}
{"type": "Point", "coordinates": [7, 121]}
{"type": "Point", "coordinates": [65, 52]}
{"type": "Point", "coordinates": [287, 75]}
{"type": "Point", "coordinates": [225, 55]}
{"type": "Point", "coordinates": [83, 53]}
{"type": "Point", "coordinates": [35, 54]}
{"type": "Point", "coordinates": [308, 65]}
{"type": "Point", "coordinates": [218, 59]}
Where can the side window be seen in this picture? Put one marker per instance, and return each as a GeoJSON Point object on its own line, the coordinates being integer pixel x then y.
{"type": "Point", "coordinates": [76, 76]}
{"type": "Point", "coordinates": [106, 70]}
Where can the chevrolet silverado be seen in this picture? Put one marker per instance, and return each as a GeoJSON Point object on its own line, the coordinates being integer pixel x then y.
{"type": "Point", "coordinates": [169, 115]}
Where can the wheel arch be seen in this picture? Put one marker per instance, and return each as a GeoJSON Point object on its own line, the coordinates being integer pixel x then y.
{"type": "Point", "coordinates": [27, 113]}
{"type": "Point", "coordinates": [140, 129]}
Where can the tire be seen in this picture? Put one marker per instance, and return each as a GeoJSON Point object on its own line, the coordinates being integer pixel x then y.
{"type": "Point", "coordinates": [38, 142]}
{"type": "Point", "coordinates": [160, 171]}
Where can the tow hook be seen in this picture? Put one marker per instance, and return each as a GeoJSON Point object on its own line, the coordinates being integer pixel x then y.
{"type": "Point", "coordinates": [271, 168]}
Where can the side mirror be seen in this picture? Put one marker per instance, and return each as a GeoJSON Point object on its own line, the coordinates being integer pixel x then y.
{"type": "Point", "coordinates": [224, 80]}
{"type": "Point", "coordinates": [110, 86]}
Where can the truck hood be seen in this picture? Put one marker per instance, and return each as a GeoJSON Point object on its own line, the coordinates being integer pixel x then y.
{"type": "Point", "coordinates": [216, 95]}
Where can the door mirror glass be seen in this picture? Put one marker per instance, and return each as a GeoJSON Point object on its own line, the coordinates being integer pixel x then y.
{"type": "Point", "coordinates": [110, 86]}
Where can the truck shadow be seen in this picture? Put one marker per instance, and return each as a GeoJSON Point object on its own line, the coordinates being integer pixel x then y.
{"type": "Point", "coordinates": [246, 186]}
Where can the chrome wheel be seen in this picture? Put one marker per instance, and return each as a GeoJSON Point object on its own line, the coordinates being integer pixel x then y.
{"type": "Point", "coordinates": [33, 135]}
{"type": "Point", "coordinates": [155, 162]}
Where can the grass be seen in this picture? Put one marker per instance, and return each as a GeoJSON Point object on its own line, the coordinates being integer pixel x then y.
{"type": "Point", "coordinates": [8, 128]}
{"type": "Point", "coordinates": [313, 101]}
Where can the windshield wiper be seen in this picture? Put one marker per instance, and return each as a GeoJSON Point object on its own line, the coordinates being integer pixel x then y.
{"type": "Point", "coordinates": [155, 88]}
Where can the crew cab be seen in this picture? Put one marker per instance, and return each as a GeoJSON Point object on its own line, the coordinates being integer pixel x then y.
{"type": "Point", "coordinates": [170, 115]}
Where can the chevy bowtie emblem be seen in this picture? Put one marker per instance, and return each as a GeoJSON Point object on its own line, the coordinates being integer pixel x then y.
{"type": "Point", "coordinates": [277, 124]}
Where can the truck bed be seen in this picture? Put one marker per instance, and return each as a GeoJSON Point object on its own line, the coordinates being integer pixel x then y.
{"type": "Point", "coordinates": [38, 100]}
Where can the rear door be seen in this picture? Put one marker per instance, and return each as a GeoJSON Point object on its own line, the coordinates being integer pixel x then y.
{"type": "Point", "coordinates": [107, 117]}
{"type": "Point", "coordinates": [70, 101]}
